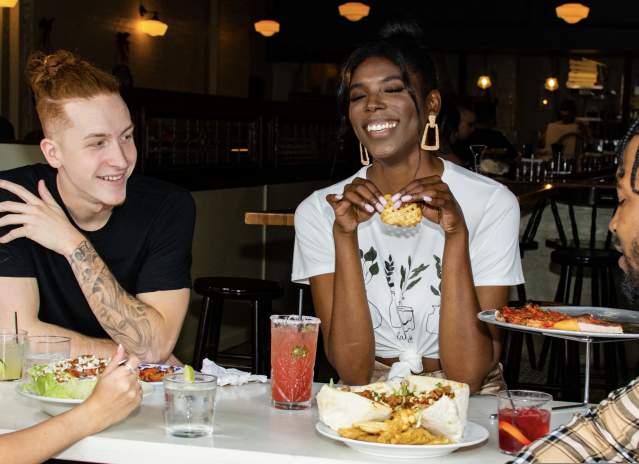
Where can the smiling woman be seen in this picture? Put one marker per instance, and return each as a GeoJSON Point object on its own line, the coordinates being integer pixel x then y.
{"type": "Point", "coordinates": [401, 299]}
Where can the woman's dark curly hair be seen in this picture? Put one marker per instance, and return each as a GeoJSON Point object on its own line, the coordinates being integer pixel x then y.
{"type": "Point", "coordinates": [401, 44]}
{"type": "Point", "coordinates": [634, 130]}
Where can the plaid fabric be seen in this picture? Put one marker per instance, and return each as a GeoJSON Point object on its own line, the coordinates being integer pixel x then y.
{"type": "Point", "coordinates": [608, 432]}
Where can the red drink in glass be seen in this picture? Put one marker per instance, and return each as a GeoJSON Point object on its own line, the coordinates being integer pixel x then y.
{"type": "Point", "coordinates": [520, 427]}
{"type": "Point", "coordinates": [524, 416]}
{"type": "Point", "coordinates": [293, 349]}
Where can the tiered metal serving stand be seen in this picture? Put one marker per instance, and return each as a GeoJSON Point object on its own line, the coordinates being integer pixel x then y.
{"type": "Point", "coordinates": [628, 319]}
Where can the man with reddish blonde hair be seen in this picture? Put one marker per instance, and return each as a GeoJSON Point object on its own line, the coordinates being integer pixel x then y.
{"type": "Point", "coordinates": [88, 250]}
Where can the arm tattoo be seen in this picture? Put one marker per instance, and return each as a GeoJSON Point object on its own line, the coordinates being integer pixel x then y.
{"type": "Point", "coordinates": [125, 318]}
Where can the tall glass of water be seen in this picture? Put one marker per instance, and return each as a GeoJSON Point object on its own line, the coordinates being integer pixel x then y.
{"type": "Point", "coordinates": [44, 349]}
{"type": "Point", "coordinates": [189, 406]}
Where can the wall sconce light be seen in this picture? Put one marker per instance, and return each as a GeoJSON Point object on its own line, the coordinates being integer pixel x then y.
{"type": "Point", "coordinates": [551, 84]}
{"type": "Point", "coordinates": [545, 102]}
{"type": "Point", "coordinates": [153, 26]}
{"type": "Point", "coordinates": [267, 27]}
{"type": "Point", "coordinates": [354, 11]}
{"type": "Point", "coordinates": [8, 3]}
{"type": "Point", "coordinates": [484, 82]}
{"type": "Point", "coordinates": [572, 13]}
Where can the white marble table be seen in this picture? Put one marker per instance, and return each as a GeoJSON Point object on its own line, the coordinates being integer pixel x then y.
{"type": "Point", "coordinates": [247, 429]}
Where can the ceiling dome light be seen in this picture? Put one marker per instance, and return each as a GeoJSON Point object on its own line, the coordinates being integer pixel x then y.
{"type": "Point", "coordinates": [572, 13]}
{"type": "Point", "coordinates": [354, 11]}
{"type": "Point", "coordinates": [267, 27]}
{"type": "Point", "coordinates": [8, 3]}
{"type": "Point", "coordinates": [484, 82]}
{"type": "Point", "coordinates": [551, 84]}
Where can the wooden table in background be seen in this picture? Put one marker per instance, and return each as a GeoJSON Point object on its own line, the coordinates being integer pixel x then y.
{"type": "Point", "coordinates": [270, 218]}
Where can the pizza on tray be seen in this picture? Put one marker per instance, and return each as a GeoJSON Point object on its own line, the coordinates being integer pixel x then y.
{"type": "Point", "coordinates": [532, 315]}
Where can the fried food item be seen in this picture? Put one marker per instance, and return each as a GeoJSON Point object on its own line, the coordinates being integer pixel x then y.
{"type": "Point", "coordinates": [409, 215]}
{"type": "Point", "coordinates": [401, 429]}
{"type": "Point", "coordinates": [154, 373]}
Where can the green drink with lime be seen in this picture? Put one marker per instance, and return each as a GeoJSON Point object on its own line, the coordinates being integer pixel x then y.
{"type": "Point", "coordinates": [11, 353]}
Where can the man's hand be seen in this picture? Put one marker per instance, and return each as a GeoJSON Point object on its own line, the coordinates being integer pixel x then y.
{"type": "Point", "coordinates": [41, 219]}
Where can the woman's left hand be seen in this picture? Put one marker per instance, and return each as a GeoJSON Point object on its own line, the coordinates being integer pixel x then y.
{"type": "Point", "coordinates": [439, 204]}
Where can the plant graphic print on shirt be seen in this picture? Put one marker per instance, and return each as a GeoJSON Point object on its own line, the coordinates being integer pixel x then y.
{"type": "Point", "coordinates": [432, 319]}
{"type": "Point", "coordinates": [400, 315]}
{"type": "Point", "coordinates": [370, 271]}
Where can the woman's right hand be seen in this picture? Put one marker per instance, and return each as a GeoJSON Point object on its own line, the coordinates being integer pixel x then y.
{"type": "Point", "coordinates": [116, 394]}
{"type": "Point", "coordinates": [357, 204]}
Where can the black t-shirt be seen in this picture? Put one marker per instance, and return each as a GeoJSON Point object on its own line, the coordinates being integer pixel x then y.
{"type": "Point", "coordinates": [146, 243]}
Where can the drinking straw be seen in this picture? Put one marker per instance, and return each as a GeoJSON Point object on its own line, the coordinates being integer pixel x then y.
{"type": "Point", "coordinates": [15, 323]}
{"type": "Point", "coordinates": [510, 398]}
{"type": "Point", "coordinates": [299, 306]}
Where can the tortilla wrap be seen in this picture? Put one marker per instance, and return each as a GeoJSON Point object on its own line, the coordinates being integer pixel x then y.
{"type": "Point", "coordinates": [446, 416]}
{"type": "Point", "coordinates": [340, 409]}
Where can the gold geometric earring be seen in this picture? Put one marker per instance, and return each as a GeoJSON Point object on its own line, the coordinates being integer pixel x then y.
{"type": "Point", "coordinates": [432, 117]}
{"type": "Point", "coordinates": [363, 155]}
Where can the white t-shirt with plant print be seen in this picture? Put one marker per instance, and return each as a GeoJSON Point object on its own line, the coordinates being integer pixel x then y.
{"type": "Point", "coordinates": [402, 268]}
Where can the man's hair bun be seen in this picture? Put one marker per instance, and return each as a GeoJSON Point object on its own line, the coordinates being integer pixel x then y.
{"type": "Point", "coordinates": [61, 76]}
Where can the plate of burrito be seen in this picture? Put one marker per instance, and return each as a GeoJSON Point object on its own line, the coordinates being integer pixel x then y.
{"type": "Point", "coordinates": [416, 417]}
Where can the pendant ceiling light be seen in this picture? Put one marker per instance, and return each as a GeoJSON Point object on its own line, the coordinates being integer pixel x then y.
{"type": "Point", "coordinates": [572, 13]}
{"type": "Point", "coordinates": [267, 27]}
{"type": "Point", "coordinates": [8, 3]}
{"type": "Point", "coordinates": [551, 84]}
{"type": "Point", "coordinates": [484, 82]}
{"type": "Point", "coordinates": [354, 11]}
{"type": "Point", "coordinates": [151, 26]}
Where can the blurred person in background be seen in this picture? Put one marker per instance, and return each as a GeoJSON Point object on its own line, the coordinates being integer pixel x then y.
{"type": "Point", "coordinates": [486, 134]}
{"type": "Point", "coordinates": [457, 125]}
{"type": "Point", "coordinates": [566, 131]}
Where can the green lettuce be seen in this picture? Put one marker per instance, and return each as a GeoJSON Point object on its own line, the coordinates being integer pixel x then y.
{"type": "Point", "coordinates": [45, 384]}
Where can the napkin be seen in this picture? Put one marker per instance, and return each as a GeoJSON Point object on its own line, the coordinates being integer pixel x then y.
{"type": "Point", "coordinates": [229, 376]}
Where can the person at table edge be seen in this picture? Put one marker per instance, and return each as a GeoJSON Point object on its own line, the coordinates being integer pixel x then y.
{"type": "Point", "coordinates": [89, 250]}
{"type": "Point", "coordinates": [608, 432]}
{"type": "Point", "coordinates": [116, 394]}
{"type": "Point", "coordinates": [393, 301]}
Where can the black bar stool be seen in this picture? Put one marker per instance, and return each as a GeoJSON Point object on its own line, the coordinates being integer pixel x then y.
{"type": "Point", "coordinates": [214, 291]}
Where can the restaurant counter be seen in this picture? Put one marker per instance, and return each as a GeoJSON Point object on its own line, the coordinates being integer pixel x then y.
{"type": "Point", "coordinates": [247, 429]}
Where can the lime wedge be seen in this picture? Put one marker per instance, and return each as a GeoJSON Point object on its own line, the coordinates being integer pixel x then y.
{"type": "Point", "coordinates": [2, 367]}
{"type": "Point", "coordinates": [189, 374]}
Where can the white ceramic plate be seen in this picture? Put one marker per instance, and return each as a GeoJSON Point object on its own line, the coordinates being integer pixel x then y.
{"type": "Point", "coordinates": [162, 367]}
{"type": "Point", "coordinates": [55, 406]}
{"type": "Point", "coordinates": [629, 319]}
{"type": "Point", "coordinates": [473, 435]}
